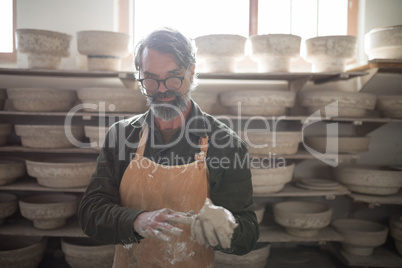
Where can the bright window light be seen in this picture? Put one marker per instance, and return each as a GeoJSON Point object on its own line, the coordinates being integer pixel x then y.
{"type": "Point", "coordinates": [6, 26]}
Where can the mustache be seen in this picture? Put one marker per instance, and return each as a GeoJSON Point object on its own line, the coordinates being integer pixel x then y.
{"type": "Point", "coordinates": [162, 95]}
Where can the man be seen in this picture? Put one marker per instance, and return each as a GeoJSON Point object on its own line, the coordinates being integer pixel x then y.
{"type": "Point", "coordinates": [173, 184]}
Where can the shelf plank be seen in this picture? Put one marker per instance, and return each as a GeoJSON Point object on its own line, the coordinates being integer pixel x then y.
{"type": "Point", "coordinates": [377, 200]}
{"type": "Point", "coordinates": [279, 234]}
{"type": "Point", "coordinates": [293, 191]}
{"type": "Point", "coordinates": [383, 65]}
{"type": "Point", "coordinates": [72, 150]}
{"type": "Point", "coordinates": [30, 184]}
{"type": "Point", "coordinates": [25, 227]}
{"type": "Point", "coordinates": [304, 155]}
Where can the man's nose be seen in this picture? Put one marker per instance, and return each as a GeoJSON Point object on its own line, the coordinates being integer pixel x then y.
{"type": "Point", "coordinates": [162, 87]}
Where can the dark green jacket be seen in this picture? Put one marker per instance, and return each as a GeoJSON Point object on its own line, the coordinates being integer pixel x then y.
{"type": "Point", "coordinates": [102, 218]}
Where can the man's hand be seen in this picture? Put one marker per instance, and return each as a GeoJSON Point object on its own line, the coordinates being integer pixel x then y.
{"type": "Point", "coordinates": [158, 223]}
{"type": "Point", "coordinates": [213, 225]}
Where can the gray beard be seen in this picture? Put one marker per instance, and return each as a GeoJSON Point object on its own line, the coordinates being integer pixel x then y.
{"type": "Point", "coordinates": [168, 110]}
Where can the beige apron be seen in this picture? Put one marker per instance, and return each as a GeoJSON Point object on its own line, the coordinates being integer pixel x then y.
{"type": "Point", "coordinates": [149, 186]}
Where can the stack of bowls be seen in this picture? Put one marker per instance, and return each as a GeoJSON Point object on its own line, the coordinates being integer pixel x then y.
{"type": "Point", "coordinates": [271, 180]}
{"type": "Point", "coordinates": [257, 258]}
{"type": "Point", "coordinates": [11, 169]}
{"type": "Point", "coordinates": [384, 43]}
{"type": "Point", "coordinates": [344, 145]}
{"type": "Point", "coordinates": [258, 102]}
{"type": "Point", "coordinates": [395, 224]}
{"type": "Point", "coordinates": [44, 48]}
{"type": "Point", "coordinates": [5, 130]}
{"type": "Point", "coordinates": [8, 206]}
{"type": "Point", "coordinates": [273, 52]}
{"type": "Point", "coordinates": [390, 105]}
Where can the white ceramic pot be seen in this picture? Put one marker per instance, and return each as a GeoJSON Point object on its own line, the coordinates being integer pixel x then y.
{"type": "Point", "coordinates": [44, 48]}
{"type": "Point", "coordinates": [330, 53]}
{"type": "Point", "coordinates": [360, 237]}
{"type": "Point", "coordinates": [271, 180]}
{"type": "Point", "coordinates": [257, 258]}
{"type": "Point", "coordinates": [8, 205]}
{"type": "Point", "coordinates": [273, 52]}
{"type": "Point", "coordinates": [384, 43]}
{"type": "Point", "coordinates": [220, 52]}
{"type": "Point", "coordinates": [11, 169]}
{"type": "Point", "coordinates": [302, 219]}
{"type": "Point", "coordinates": [96, 136]}
{"type": "Point", "coordinates": [345, 145]}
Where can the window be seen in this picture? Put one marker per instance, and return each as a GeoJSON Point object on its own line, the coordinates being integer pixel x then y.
{"type": "Point", "coordinates": [7, 29]}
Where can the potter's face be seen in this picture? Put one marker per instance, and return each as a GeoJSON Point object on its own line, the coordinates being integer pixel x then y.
{"type": "Point", "coordinates": [164, 103]}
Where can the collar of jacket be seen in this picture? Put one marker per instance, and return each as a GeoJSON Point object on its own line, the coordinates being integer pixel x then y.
{"type": "Point", "coordinates": [196, 124]}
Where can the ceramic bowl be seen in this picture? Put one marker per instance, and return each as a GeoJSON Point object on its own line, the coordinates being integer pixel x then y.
{"type": "Point", "coordinates": [273, 52]}
{"type": "Point", "coordinates": [384, 43]}
{"type": "Point", "coordinates": [258, 102]}
{"type": "Point", "coordinates": [330, 53]}
{"type": "Point", "coordinates": [3, 98]}
{"type": "Point", "coordinates": [21, 251]}
{"type": "Point", "coordinates": [369, 179]}
{"type": "Point", "coordinates": [5, 130]}
{"type": "Point", "coordinates": [220, 52]}
{"type": "Point", "coordinates": [302, 219]}
{"type": "Point", "coordinates": [112, 100]}
{"type": "Point", "coordinates": [395, 225]}
{"type": "Point", "coordinates": [271, 180]}
{"type": "Point", "coordinates": [42, 99]}
{"type": "Point", "coordinates": [96, 136]}
{"type": "Point", "coordinates": [48, 211]}
{"type": "Point", "coordinates": [44, 48]}
{"type": "Point", "coordinates": [343, 145]}
{"type": "Point", "coordinates": [8, 205]}
{"type": "Point", "coordinates": [48, 136]}
{"type": "Point", "coordinates": [86, 252]}
{"type": "Point", "coordinates": [104, 49]}
{"type": "Point", "coordinates": [360, 237]}
{"type": "Point", "coordinates": [62, 172]}
{"type": "Point", "coordinates": [257, 258]}
{"type": "Point", "coordinates": [11, 169]}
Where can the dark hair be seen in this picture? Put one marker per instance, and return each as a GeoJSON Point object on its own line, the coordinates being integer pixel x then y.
{"type": "Point", "coordinates": [167, 41]}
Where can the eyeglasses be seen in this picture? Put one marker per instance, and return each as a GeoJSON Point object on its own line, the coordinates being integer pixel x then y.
{"type": "Point", "coordinates": [171, 83]}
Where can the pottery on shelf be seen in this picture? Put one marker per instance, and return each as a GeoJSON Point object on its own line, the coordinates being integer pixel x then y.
{"type": "Point", "coordinates": [44, 48]}
{"type": "Point", "coordinates": [360, 237]}
{"type": "Point", "coordinates": [41, 99]}
{"type": "Point", "coordinates": [257, 258]}
{"type": "Point", "coordinates": [21, 251]}
{"type": "Point", "coordinates": [330, 53]}
{"type": "Point", "coordinates": [369, 179]}
{"type": "Point", "coordinates": [3, 98]}
{"type": "Point", "coordinates": [316, 184]}
{"type": "Point", "coordinates": [104, 49]}
{"type": "Point", "coordinates": [97, 99]}
{"type": "Point", "coordinates": [258, 102]}
{"type": "Point", "coordinates": [302, 219]}
{"type": "Point", "coordinates": [390, 105]}
{"type": "Point", "coordinates": [5, 130]}
{"type": "Point", "coordinates": [346, 145]}
{"type": "Point", "coordinates": [220, 52]}
{"type": "Point", "coordinates": [11, 169]}
{"type": "Point", "coordinates": [273, 52]}
{"type": "Point", "coordinates": [395, 225]}
{"type": "Point", "coordinates": [8, 205]}
{"type": "Point", "coordinates": [49, 136]}
{"type": "Point", "coordinates": [48, 211]}
{"type": "Point", "coordinates": [85, 252]}
{"type": "Point", "coordinates": [62, 172]}
{"type": "Point", "coordinates": [96, 135]}
{"type": "Point", "coordinates": [384, 43]}
{"type": "Point", "coordinates": [271, 180]}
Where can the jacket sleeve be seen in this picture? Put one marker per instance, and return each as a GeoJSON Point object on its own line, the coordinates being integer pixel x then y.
{"type": "Point", "coordinates": [100, 215]}
{"type": "Point", "coordinates": [232, 189]}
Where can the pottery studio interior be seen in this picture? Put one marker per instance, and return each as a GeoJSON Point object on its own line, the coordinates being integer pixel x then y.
{"type": "Point", "coordinates": [291, 111]}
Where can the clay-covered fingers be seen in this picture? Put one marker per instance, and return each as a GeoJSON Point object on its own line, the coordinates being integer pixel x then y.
{"type": "Point", "coordinates": [180, 217]}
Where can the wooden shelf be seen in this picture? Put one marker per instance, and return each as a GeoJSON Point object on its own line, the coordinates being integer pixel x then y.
{"type": "Point", "coordinates": [279, 234]}
{"type": "Point", "coordinates": [304, 155]}
{"type": "Point", "coordinates": [383, 65]}
{"type": "Point", "coordinates": [30, 184]}
{"type": "Point", "coordinates": [25, 227]}
{"type": "Point", "coordinates": [375, 200]}
{"type": "Point", "coordinates": [291, 190]}
{"type": "Point", "coordinates": [72, 150]}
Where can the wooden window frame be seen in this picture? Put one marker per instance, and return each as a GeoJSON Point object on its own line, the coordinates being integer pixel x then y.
{"type": "Point", "coordinates": [11, 56]}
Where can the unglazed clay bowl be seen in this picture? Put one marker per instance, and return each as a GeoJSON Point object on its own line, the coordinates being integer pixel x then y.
{"type": "Point", "coordinates": [3, 98]}
{"type": "Point", "coordinates": [330, 53]}
{"type": "Point", "coordinates": [390, 105]}
{"type": "Point", "coordinates": [5, 130]}
{"type": "Point", "coordinates": [360, 237]}
{"type": "Point", "coordinates": [11, 169]}
{"type": "Point", "coordinates": [336, 145]}
{"type": "Point", "coordinates": [21, 251]}
{"type": "Point", "coordinates": [369, 179]}
{"type": "Point", "coordinates": [86, 252]}
{"type": "Point", "coordinates": [41, 99]}
{"type": "Point", "coordinates": [48, 211]}
{"type": "Point", "coordinates": [302, 219]}
{"type": "Point", "coordinates": [384, 43]}
{"type": "Point", "coordinates": [257, 258]}
{"type": "Point", "coordinates": [220, 52]}
{"type": "Point", "coordinates": [112, 100]}
{"type": "Point", "coordinates": [266, 143]}
{"type": "Point", "coordinates": [273, 52]}
{"type": "Point", "coordinates": [96, 135]}
{"type": "Point", "coordinates": [271, 180]}
{"type": "Point", "coordinates": [62, 172]}
{"type": "Point", "coordinates": [104, 49]}
{"type": "Point", "coordinates": [395, 224]}
{"type": "Point", "coordinates": [44, 48]}
{"type": "Point", "coordinates": [258, 102]}
{"type": "Point", "coordinates": [47, 136]}
{"type": "Point", "coordinates": [8, 205]}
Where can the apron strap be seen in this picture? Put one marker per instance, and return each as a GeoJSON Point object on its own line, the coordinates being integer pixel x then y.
{"type": "Point", "coordinates": [203, 144]}
{"type": "Point", "coordinates": [143, 140]}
